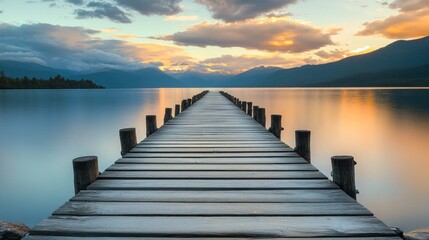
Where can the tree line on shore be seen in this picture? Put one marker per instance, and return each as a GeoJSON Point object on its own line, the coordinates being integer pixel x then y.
{"type": "Point", "coordinates": [57, 82]}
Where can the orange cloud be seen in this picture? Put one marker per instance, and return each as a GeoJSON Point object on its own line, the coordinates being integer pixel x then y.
{"type": "Point", "coordinates": [411, 22]}
{"type": "Point", "coordinates": [270, 34]}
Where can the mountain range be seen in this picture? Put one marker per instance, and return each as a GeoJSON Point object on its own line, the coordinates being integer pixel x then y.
{"type": "Point", "coordinates": [402, 63]}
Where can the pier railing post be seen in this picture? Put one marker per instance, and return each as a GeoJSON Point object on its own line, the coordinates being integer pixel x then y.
{"type": "Point", "coordinates": [302, 144]}
{"type": "Point", "coordinates": [85, 171]}
{"type": "Point", "coordinates": [276, 125]}
{"type": "Point", "coordinates": [128, 139]}
{"type": "Point", "coordinates": [249, 108]}
{"type": "Point", "coordinates": [150, 125]}
{"type": "Point", "coordinates": [255, 112]}
{"type": "Point", "coordinates": [343, 174]}
{"type": "Point", "coordinates": [184, 102]}
{"type": "Point", "coordinates": [244, 106]}
{"type": "Point", "coordinates": [168, 114]}
{"type": "Point", "coordinates": [176, 110]}
{"type": "Point", "coordinates": [261, 116]}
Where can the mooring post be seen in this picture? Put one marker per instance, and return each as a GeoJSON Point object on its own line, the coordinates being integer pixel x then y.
{"type": "Point", "coordinates": [276, 125]}
{"type": "Point", "coordinates": [238, 103]}
{"type": "Point", "coordinates": [150, 124]}
{"type": "Point", "coordinates": [168, 114]}
{"type": "Point", "coordinates": [184, 102]}
{"type": "Point", "coordinates": [302, 144]}
{"type": "Point", "coordinates": [249, 108]}
{"type": "Point", "coordinates": [176, 110]}
{"type": "Point", "coordinates": [189, 102]}
{"type": "Point", "coordinates": [244, 106]}
{"type": "Point", "coordinates": [255, 112]}
{"type": "Point", "coordinates": [128, 139]}
{"type": "Point", "coordinates": [85, 171]}
{"type": "Point", "coordinates": [261, 116]}
{"type": "Point", "coordinates": [343, 174]}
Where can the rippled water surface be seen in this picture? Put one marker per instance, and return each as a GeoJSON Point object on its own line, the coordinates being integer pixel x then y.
{"type": "Point", "coordinates": [386, 130]}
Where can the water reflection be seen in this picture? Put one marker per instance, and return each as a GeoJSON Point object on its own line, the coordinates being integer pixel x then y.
{"type": "Point", "coordinates": [386, 131]}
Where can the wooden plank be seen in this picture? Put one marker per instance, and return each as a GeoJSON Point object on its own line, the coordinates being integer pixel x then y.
{"type": "Point", "coordinates": [210, 209]}
{"type": "Point", "coordinates": [120, 184]}
{"type": "Point", "coordinates": [261, 196]}
{"type": "Point", "coordinates": [269, 227]}
{"type": "Point", "coordinates": [212, 167]}
{"type": "Point", "coordinates": [45, 237]}
{"type": "Point", "coordinates": [210, 155]}
{"type": "Point", "coordinates": [210, 150]}
{"type": "Point", "coordinates": [260, 160]}
{"type": "Point", "coordinates": [212, 175]}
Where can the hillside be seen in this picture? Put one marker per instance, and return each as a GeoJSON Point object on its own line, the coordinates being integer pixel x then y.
{"type": "Point", "coordinates": [406, 77]}
{"type": "Point", "coordinates": [400, 54]}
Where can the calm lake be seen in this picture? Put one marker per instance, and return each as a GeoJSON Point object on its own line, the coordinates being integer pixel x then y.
{"type": "Point", "coordinates": [386, 130]}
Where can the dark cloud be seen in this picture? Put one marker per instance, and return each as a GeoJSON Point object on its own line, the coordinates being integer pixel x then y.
{"type": "Point", "coordinates": [152, 7]}
{"type": "Point", "coordinates": [75, 48]}
{"type": "Point", "coordinates": [75, 2]}
{"type": "Point", "coordinates": [283, 35]}
{"type": "Point", "coordinates": [103, 10]}
{"type": "Point", "coordinates": [238, 10]}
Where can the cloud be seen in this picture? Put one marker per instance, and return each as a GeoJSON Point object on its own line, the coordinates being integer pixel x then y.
{"type": "Point", "coordinates": [409, 5]}
{"type": "Point", "coordinates": [331, 55]}
{"type": "Point", "coordinates": [272, 34]}
{"type": "Point", "coordinates": [79, 49]}
{"type": "Point", "coordinates": [152, 7]}
{"type": "Point", "coordinates": [103, 10]}
{"type": "Point", "coordinates": [238, 10]}
{"type": "Point", "coordinates": [405, 25]}
{"type": "Point", "coordinates": [411, 22]}
{"type": "Point", "coordinates": [75, 2]}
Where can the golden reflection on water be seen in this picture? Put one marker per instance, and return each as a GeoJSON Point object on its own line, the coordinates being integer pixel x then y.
{"type": "Point", "coordinates": [382, 129]}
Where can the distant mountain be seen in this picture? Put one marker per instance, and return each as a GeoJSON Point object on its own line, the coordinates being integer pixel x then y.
{"type": "Point", "coordinates": [198, 79]}
{"type": "Point", "coordinates": [252, 77]}
{"type": "Point", "coordinates": [400, 54]}
{"type": "Point", "coordinates": [142, 78]}
{"type": "Point", "coordinates": [405, 77]}
{"type": "Point", "coordinates": [21, 69]}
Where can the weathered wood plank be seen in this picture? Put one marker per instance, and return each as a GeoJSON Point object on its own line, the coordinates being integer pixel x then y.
{"type": "Point", "coordinates": [212, 167]}
{"type": "Point", "coordinates": [210, 209]}
{"type": "Point", "coordinates": [211, 155]}
{"type": "Point", "coordinates": [176, 238]}
{"type": "Point", "coordinates": [268, 227]}
{"type": "Point", "coordinates": [119, 184]}
{"type": "Point", "coordinates": [210, 150]}
{"type": "Point", "coordinates": [261, 196]}
{"type": "Point", "coordinates": [212, 175]}
{"type": "Point", "coordinates": [260, 160]}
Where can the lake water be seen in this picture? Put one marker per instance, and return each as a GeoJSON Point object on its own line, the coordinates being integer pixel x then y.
{"type": "Point", "coordinates": [386, 130]}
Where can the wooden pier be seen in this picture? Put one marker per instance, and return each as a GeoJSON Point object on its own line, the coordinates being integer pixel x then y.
{"type": "Point", "coordinates": [211, 172]}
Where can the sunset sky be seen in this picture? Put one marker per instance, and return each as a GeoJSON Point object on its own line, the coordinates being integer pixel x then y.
{"type": "Point", "coordinates": [228, 36]}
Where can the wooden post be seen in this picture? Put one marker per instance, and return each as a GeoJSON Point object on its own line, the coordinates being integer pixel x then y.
{"type": "Point", "coordinates": [255, 113]}
{"type": "Point", "coordinates": [184, 102]}
{"type": "Point", "coordinates": [128, 139]}
{"type": "Point", "coordinates": [244, 106]}
{"type": "Point", "coordinates": [249, 108]}
{"type": "Point", "coordinates": [302, 144]}
{"type": "Point", "coordinates": [150, 124]}
{"type": "Point", "coordinates": [168, 114]}
{"type": "Point", "coordinates": [239, 104]}
{"type": "Point", "coordinates": [261, 116]}
{"type": "Point", "coordinates": [343, 174]}
{"type": "Point", "coordinates": [189, 102]}
{"type": "Point", "coordinates": [85, 171]}
{"type": "Point", "coordinates": [176, 110]}
{"type": "Point", "coordinates": [276, 125]}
